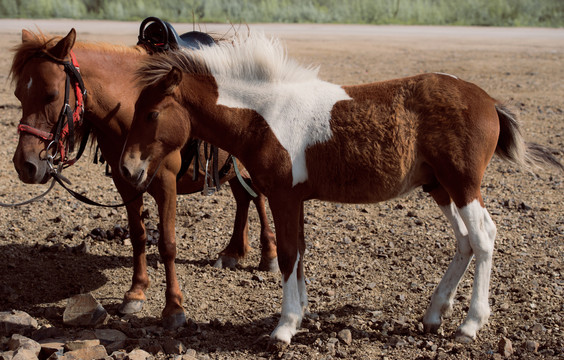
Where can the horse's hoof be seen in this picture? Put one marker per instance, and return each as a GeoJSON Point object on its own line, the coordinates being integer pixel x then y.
{"type": "Point", "coordinates": [174, 321]}
{"type": "Point", "coordinates": [269, 265]}
{"type": "Point", "coordinates": [431, 328]}
{"type": "Point", "coordinates": [226, 262]}
{"type": "Point", "coordinates": [131, 306]}
{"type": "Point", "coordinates": [276, 345]}
{"type": "Point", "coordinates": [463, 338]}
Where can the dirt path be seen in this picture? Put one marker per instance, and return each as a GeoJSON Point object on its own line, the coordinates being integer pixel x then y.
{"type": "Point", "coordinates": [371, 268]}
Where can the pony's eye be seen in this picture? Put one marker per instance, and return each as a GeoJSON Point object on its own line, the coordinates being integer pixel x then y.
{"type": "Point", "coordinates": [153, 115]}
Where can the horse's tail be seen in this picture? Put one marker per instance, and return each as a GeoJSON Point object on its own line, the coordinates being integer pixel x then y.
{"type": "Point", "coordinates": [512, 147]}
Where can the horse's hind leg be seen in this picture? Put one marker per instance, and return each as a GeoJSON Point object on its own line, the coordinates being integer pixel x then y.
{"type": "Point", "coordinates": [442, 299]}
{"type": "Point", "coordinates": [238, 246]}
{"type": "Point", "coordinates": [481, 234]}
{"type": "Point", "coordinates": [268, 259]}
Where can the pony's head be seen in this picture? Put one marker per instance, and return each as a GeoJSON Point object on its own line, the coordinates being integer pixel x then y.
{"type": "Point", "coordinates": [160, 127]}
{"type": "Point", "coordinates": [39, 78]}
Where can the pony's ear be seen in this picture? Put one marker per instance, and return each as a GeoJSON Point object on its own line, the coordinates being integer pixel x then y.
{"type": "Point", "coordinates": [27, 36]}
{"type": "Point", "coordinates": [172, 79]}
{"type": "Point", "coordinates": [63, 47]}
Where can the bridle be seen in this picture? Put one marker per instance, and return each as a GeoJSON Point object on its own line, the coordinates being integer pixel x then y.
{"type": "Point", "coordinates": [62, 139]}
{"type": "Point", "coordinates": [64, 131]}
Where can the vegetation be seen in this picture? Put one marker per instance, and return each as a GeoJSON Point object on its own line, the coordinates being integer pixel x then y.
{"type": "Point", "coordinates": [424, 12]}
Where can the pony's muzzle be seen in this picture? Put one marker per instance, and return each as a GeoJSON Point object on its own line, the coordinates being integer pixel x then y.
{"type": "Point", "coordinates": [31, 170]}
{"type": "Point", "coordinates": [134, 171]}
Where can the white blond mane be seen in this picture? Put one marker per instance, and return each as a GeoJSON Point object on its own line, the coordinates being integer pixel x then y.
{"type": "Point", "coordinates": [253, 57]}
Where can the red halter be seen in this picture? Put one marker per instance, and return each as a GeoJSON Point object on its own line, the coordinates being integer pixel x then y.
{"type": "Point", "coordinates": [68, 120]}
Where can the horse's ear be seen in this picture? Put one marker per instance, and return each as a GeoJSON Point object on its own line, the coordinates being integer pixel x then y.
{"type": "Point", "coordinates": [63, 47]}
{"type": "Point", "coordinates": [172, 79]}
{"type": "Point", "coordinates": [27, 36]}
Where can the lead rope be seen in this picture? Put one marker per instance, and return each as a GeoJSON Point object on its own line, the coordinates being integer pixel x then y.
{"type": "Point", "coordinates": [7, 205]}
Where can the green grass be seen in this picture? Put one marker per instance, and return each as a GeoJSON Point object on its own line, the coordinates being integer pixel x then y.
{"type": "Point", "coordinates": [548, 13]}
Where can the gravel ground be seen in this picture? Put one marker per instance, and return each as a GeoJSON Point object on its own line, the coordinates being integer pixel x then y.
{"type": "Point", "coordinates": [370, 269]}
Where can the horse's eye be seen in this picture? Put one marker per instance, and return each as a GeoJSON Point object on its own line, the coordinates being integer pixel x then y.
{"type": "Point", "coordinates": [153, 115]}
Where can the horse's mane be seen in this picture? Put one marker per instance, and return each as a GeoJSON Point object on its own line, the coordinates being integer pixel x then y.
{"type": "Point", "coordinates": [40, 44]}
{"type": "Point", "coordinates": [251, 58]}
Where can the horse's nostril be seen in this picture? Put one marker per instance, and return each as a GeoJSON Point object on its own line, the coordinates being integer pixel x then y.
{"type": "Point", "coordinates": [30, 169]}
{"type": "Point", "coordinates": [125, 172]}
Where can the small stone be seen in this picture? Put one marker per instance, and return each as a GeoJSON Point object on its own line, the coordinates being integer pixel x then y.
{"type": "Point", "coordinates": [191, 354]}
{"type": "Point", "coordinates": [505, 347]}
{"type": "Point", "coordinates": [80, 344]}
{"type": "Point", "coordinates": [345, 336]}
{"type": "Point", "coordinates": [93, 352]}
{"type": "Point", "coordinates": [18, 341]}
{"type": "Point", "coordinates": [118, 355]}
{"type": "Point", "coordinates": [15, 321]}
{"type": "Point", "coordinates": [173, 347]}
{"type": "Point", "coordinates": [109, 336]}
{"type": "Point", "coordinates": [84, 310]}
{"type": "Point", "coordinates": [51, 346]}
{"type": "Point", "coordinates": [138, 354]}
{"type": "Point", "coordinates": [531, 346]}
{"type": "Point", "coordinates": [24, 354]}
{"type": "Point", "coordinates": [6, 355]}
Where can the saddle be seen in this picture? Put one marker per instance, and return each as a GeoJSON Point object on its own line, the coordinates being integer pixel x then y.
{"type": "Point", "coordinates": [157, 35]}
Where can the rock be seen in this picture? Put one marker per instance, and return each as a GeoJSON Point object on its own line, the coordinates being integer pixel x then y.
{"type": "Point", "coordinates": [24, 354]}
{"type": "Point", "coordinates": [47, 333]}
{"type": "Point", "coordinates": [173, 347]}
{"type": "Point", "coordinates": [51, 346]}
{"type": "Point", "coordinates": [138, 354]}
{"type": "Point", "coordinates": [84, 310]}
{"type": "Point", "coordinates": [80, 344]}
{"type": "Point", "coordinates": [531, 346]}
{"type": "Point", "coordinates": [93, 352]}
{"type": "Point", "coordinates": [18, 341]}
{"type": "Point", "coordinates": [118, 355]}
{"type": "Point", "coordinates": [15, 321]}
{"type": "Point", "coordinates": [109, 336]}
{"type": "Point", "coordinates": [345, 336]}
{"type": "Point", "coordinates": [505, 347]}
{"type": "Point", "coordinates": [190, 355]}
{"type": "Point", "coordinates": [6, 355]}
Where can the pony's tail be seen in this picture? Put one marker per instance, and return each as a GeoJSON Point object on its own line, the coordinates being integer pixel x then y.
{"type": "Point", "coordinates": [511, 146]}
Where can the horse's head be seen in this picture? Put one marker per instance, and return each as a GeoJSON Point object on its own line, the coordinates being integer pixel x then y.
{"type": "Point", "coordinates": [39, 77]}
{"type": "Point", "coordinates": [160, 127]}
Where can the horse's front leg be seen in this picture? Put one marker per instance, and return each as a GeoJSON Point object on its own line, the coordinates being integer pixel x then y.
{"type": "Point", "coordinates": [135, 297]}
{"type": "Point", "coordinates": [288, 220]}
{"type": "Point", "coordinates": [164, 192]}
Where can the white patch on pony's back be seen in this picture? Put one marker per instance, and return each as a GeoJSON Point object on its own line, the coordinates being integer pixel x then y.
{"type": "Point", "coordinates": [29, 83]}
{"type": "Point", "coordinates": [255, 73]}
{"type": "Point", "coordinates": [445, 74]}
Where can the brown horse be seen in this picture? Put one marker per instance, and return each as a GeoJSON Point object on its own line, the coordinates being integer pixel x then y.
{"type": "Point", "coordinates": [108, 75]}
{"type": "Point", "coordinates": [302, 138]}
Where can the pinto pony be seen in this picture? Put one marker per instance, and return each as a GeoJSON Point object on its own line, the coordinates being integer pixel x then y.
{"type": "Point", "coordinates": [108, 73]}
{"type": "Point", "coordinates": [303, 138]}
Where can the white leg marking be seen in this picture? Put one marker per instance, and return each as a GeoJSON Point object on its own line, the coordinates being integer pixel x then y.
{"type": "Point", "coordinates": [292, 311]}
{"type": "Point", "coordinates": [442, 299]}
{"type": "Point", "coordinates": [481, 232]}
